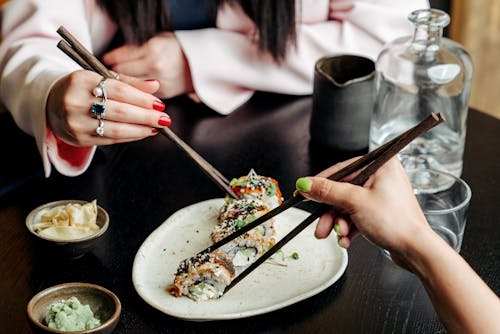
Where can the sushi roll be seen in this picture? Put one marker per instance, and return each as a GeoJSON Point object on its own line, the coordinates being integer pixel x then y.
{"type": "Point", "coordinates": [203, 277]}
{"type": "Point", "coordinates": [260, 187]}
{"type": "Point", "coordinates": [245, 249]}
{"type": "Point", "coordinates": [206, 276]}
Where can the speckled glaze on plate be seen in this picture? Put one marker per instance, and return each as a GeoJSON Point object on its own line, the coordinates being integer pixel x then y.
{"type": "Point", "coordinates": [270, 287]}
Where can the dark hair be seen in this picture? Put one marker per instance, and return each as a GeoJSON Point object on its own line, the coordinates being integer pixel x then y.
{"type": "Point", "coordinates": [138, 21]}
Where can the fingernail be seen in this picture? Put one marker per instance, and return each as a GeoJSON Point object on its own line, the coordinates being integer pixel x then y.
{"type": "Point", "coordinates": [165, 120]}
{"type": "Point", "coordinates": [303, 184]}
{"type": "Point", "coordinates": [158, 105]}
{"type": "Point", "coordinates": [339, 241]}
{"type": "Point", "coordinates": [155, 131]}
{"type": "Point", "coordinates": [336, 228]}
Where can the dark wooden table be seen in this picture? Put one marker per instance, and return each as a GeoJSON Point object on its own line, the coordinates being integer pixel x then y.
{"type": "Point", "coordinates": [142, 183]}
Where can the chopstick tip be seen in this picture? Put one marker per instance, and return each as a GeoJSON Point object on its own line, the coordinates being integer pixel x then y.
{"type": "Point", "coordinates": [438, 117]}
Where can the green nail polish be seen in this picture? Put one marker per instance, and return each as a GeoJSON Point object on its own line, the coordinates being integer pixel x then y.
{"type": "Point", "coordinates": [303, 184]}
{"type": "Point", "coordinates": [336, 228]}
{"type": "Point", "coordinates": [339, 239]}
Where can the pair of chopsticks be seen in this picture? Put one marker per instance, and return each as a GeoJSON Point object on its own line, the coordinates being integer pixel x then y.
{"type": "Point", "coordinates": [366, 165]}
{"type": "Point", "coordinates": [76, 51]}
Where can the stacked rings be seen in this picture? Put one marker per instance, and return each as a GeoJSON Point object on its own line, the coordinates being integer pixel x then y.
{"type": "Point", "coordinates": [99, 108]}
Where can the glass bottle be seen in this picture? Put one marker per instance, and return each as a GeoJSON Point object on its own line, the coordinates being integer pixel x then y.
{"type": "Point", "coordinates": [417, 75]}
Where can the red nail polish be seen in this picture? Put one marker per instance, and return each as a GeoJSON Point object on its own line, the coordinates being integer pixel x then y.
{"type": "Point", "coordinates": [165, 120]}
{"type": "Point", "coordinates": [158, 105]}
{"type": "Point", "coordinates": [155, 131]}
{"type": "Point", "coordinates": [150, 80]}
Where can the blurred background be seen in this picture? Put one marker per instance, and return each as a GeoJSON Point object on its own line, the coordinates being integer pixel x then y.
{"type": "Point", "coordinates": [476, 25]}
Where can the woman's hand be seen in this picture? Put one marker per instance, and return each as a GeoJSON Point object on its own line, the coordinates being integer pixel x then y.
{"type": "Point", "coordinates": [132, 112]}
{"type": "Point", "coordinates": [160, 58]}
{"type": "Point", "coordinates": [385, 210]}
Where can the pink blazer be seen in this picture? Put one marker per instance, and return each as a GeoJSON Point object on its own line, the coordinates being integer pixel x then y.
{"type": "Point", "coordinates": [30, 62]}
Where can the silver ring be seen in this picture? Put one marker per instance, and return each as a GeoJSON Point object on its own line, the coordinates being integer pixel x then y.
{"type": "Point", "coordinates": [100, 89]}
{"type": "Point", "coordinates": [100, 128]}
{"type": "Point", "coordinates": [99, 108]}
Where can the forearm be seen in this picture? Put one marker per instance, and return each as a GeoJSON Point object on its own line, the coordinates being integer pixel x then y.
{"type": "Point", "coordinates": [463, 301]}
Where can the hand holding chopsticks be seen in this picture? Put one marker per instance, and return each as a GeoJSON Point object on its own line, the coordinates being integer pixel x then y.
{"type": "Point", "coordinates": [76, 51]}
{"type": "Point", "coordinates": [366, 165]}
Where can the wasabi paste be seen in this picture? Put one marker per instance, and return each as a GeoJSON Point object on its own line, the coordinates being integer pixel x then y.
{"type": "Point", "coordinates": [71, 315]}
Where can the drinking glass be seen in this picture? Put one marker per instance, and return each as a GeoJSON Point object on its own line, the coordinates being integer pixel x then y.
{"type": "Point", "coordinates": [444, 199]}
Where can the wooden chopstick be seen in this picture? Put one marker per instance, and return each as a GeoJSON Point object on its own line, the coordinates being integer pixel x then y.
{"type": "Point", "coordinates": [366, 160]}
{"type": "Point", "coordinates": [76, 51]}
{"type": "Point", "coordinates": [66, 48]}
{"type": "Point", "coordinates": [86, 55]}
{"type": "Point", "coordinates": [381, 158]}
{"type": "Point", "coordinates": [206, 167]}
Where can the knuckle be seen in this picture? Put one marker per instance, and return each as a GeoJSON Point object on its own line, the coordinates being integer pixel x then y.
{"type": "Point", "coordinates": [324, 190]}
{"type": "Point", "coordinates": [111, 132]}
{"type": "Point", "coordinates": [118, 112]}
{"type": "Point", "coordinates": [81, 77]}
{"type": "Point", "coordinates": [119, 90]}
{"type": "Point", "coordinates": [156, 66]}
{"type": "Point", "coordinates": [349, 194]}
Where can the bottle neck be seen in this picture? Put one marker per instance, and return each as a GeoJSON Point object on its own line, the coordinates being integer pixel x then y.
{"type": "Point", "coordinates": [426, 38]}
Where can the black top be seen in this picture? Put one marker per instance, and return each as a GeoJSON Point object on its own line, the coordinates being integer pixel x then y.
{"type": "Point", "coordinates": [190, 14]}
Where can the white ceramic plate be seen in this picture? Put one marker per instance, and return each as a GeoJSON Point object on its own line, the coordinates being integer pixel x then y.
{"type": "Point", "coordinates": [268, 288]}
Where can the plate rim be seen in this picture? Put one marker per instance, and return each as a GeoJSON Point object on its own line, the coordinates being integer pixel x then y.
{"type": "Point", "coordinates": [232, 315]}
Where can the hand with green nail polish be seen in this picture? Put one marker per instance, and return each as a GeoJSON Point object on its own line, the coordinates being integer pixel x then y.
{"type": "Point", "coordinates": [386, 212]}
{"type": "Point", "coordinates": [376, 210]}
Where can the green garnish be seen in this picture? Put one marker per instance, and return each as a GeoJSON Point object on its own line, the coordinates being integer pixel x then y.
{"type": "Point", "coordinates": [233, 182]}
{"type": "Point", "coordinates": [261, 230]}
{"type": "Point", "coordinates": [271, 190]}
{"type": "Point", "coordinates": [254, 183]}
{"type": "Point", "coordinates": [239, 223]}
{"type": "Point", "coordinates": [196, 290]}
{"type": "Point", "coordinates": [295, 256]}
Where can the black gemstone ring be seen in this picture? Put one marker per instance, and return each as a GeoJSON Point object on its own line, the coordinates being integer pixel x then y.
{"type": "Point", "coordinates": [99, 108]}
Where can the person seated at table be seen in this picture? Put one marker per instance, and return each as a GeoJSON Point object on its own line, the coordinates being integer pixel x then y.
{"type": "Point", "coordinates": [386, 212]}
{"type": "Point", "coordinates": [219, 52]}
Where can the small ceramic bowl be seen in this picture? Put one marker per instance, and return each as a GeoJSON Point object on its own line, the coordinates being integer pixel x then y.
{"type": "Point", "coordinates": [104, 304]}
{"type": "Point", "coordinates": [68, 249]}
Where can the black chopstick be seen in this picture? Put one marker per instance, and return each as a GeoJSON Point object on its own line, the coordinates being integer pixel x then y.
{"type": "Point", "coordinates": [388, 148]}
{"type": "Point", "coordinates": [381, 158]}
{"type": "Point", "coordinates": [76, 51]}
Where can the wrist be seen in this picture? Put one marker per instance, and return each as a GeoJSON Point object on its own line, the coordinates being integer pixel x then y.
{"type": "Point", "coordinates": [424, 250]}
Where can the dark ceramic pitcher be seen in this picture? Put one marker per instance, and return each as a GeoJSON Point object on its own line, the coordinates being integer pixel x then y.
{"type": "Point", "coordinates": [343, 100]}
